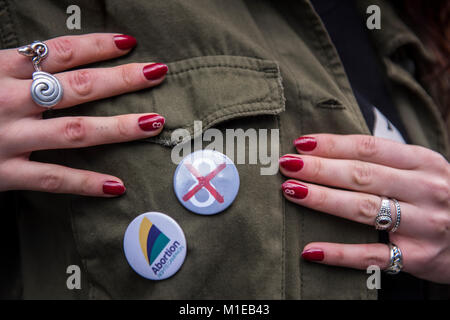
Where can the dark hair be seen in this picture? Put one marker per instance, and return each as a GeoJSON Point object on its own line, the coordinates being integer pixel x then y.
{"type": "Point", "coordinates": [431, 22]}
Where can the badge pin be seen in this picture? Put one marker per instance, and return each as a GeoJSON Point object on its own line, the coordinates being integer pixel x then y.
{"type": "Point", "coordinates": [206, 182]}
{"type": "Point", "coordinates": [155, 246]}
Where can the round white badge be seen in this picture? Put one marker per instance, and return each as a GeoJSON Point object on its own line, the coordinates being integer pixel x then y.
{"type": "Point", "coordinates": [155, 246]}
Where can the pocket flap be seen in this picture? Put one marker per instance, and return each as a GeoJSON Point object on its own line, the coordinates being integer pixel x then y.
{"type": "Point", "coordinates": [213, 89]}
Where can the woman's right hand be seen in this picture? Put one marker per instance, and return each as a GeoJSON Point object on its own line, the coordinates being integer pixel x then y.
{"type": "Point", "coordinates": [22, 129]}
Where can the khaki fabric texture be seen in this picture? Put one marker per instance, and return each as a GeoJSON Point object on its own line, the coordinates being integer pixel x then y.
{"type": "Point", "coordinates": [232, 64]}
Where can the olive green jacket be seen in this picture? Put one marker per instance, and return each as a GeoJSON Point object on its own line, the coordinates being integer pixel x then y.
{"type": "Point", "coordinates": [232, 64]}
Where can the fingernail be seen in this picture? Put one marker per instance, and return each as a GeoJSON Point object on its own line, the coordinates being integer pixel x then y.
{"type": "Point", "coordinates": [114, 188]}
{"type": "Point", "coordinates": [294, 189]}
{"type": "Point", "coordinates": [305, 143]}
{"type": "Point", "coordinates": [124, 42]}
{"type": "Point", "coordinates": [155, 71]}
{"type": "Point", "coordinates": [151, 122]}
{"type": "Point", "coordinates": [291, 163]}
{"type": "Point", "coordinates": [313, 255]}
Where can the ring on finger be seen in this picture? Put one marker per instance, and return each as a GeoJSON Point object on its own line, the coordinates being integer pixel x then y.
{"type": "Point", "coordinates": [383, 220]}
{"type": "Point", "coordinates": [46, 90]}
{"type": "Point", "coordinates": [398, 215]}
{"type": "Point", "coordinates": [395, 260]}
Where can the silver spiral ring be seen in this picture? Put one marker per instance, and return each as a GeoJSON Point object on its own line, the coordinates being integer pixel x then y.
{"type": "Point", "coordinates": [46, 90]}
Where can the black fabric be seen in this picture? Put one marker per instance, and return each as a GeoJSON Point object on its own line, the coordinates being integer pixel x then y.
{"type": "Point", "coordinates": [348, 32]}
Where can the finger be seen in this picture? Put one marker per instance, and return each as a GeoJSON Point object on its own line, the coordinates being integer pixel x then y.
{"type": "Point", "coordinates": [58, 179]}
{"type": "Point", "coordinates": [355, 206]}
{"type": "Point", "coordinates": [77, 132]}
{"type": "Point", "coordinates": [86, 85]}
{"type": "Point", "coordinates": [362, 147]}
{"type": "Point", "coordinates": [354, 175]}
{"type": "Point", "coordinates": [67, 52]}
{"type": "Point", "coordinates": [356, 256]}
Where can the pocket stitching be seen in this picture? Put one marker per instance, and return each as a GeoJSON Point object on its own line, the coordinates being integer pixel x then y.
{"type": "Point", "coordinates": [211, 118]}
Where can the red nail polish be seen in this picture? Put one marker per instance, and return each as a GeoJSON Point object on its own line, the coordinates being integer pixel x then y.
{"type": "Point", "coordinates": [124, 42]}
{"type": "Point", "coordinates": [151, 122]}
{"type": "Point", "coordinates": [294, 189]}
{"type": "Point", "coordinates": [291, 163]}
{"type": "Point", "coordinates": [114, 188]}
{"type": "Point", "coordinates": [305, 143]}
{"type": "Point", "coordinates": [155, 71]}
{"type": "Point", "coordinates": [313, 255]}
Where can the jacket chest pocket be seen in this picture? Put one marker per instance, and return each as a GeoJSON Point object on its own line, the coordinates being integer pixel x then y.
{"type": "Point", "coordinates": [234, 254]}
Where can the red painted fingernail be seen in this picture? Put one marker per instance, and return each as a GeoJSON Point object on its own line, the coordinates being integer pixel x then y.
{"type": "Point", "coordinates": [291, 163]}
{"type": "Point", "coordinates": [124, 42]}
{"type": "Point", "coordinates": [114, 188]}
{"type": "Point", "coordinates": [294, 189]}
{"type": "Point", "coordinates": [151, 122]}
{"type": "Point", "coordinates": [155, 71]}
{"type": "Point", "coordinates": [313, 255]}
{"type": "Point", "coordinates": [305, 143]}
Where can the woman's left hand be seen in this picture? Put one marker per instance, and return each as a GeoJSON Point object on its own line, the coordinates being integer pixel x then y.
{"type": "Point", "coordinates": [370, 168]}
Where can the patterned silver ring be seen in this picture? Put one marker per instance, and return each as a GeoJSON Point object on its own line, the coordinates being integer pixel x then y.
{"type": "Point", "coordinates": [395, 260]}
{"type": "Point", "coordinates": [398, 215]}
{"type": "Point", "coordinates": [383, 220]}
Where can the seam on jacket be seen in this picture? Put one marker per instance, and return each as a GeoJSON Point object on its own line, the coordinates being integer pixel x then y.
{"type": "Point", "coordinates": [266, 76]}
{"type": "Point", "coordinates": [333, 63]}
{"type": "Point", "coordinates": [259, 70]}
{"type": "Point", "coordinates": [439, 135]}
{"type": "Point", "coordinates": [283, 221]}
{"type": "Point", "coordinates": [302, 98]}
{"type": "Point", "coordinates": [212, 118]}
{"type": "Point", "coordinates": [283, 212]}
{"type": "Point", "coordinates": [232, 115]}
{"type": "Point", "coordinates": [261, 101]}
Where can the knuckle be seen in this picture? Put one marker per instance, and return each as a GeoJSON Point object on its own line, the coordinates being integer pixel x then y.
{"type": "Point", "coordinates": [99, 46]}
{"type": "Point", "coordinates": [320, 199]}
{"type": "Point", "coordinates": [422, 258]}
{"type": "Point", "coordinates": [316, 168]}
{"type": "Point", "coordinates": [439, 189]}
{"type": "Point", "coordinates": [81, 82]}
{"type": "Point", "coordinates": [330, 142]}
{"type": "Point", "coordinates": [75, 130]}
{"type": "Point", "coordinates": [362, 174]}
{"type": "Point", "coordinates": [128, 75]}
{"type": "Point", "coordinates": [86, 185]}
{"type": "Point", "coordinates": [366, 146]}
{"type": "Point", "coordinates": [372, 259]}
{"type": "Point", "coordinates": [440, 224]}
{"type": "Point", "coordinates": [122, 129]}
{"type": "Point", "coordinates": [64, 50]}
{"type": "Point", "coordinates": [429, 157]}
{"type": "Point", "coordinates": [438, 162]}
{"type": "Point", "coordinates": [51, 182]}
{"type": "Point", "coordinates": [368, 208]}
{"type": "Point", "coordinates": [339, 255]}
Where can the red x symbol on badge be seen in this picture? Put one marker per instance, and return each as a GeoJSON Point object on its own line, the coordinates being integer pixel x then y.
{"type": "Point", "coordinates": [203, 182]}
